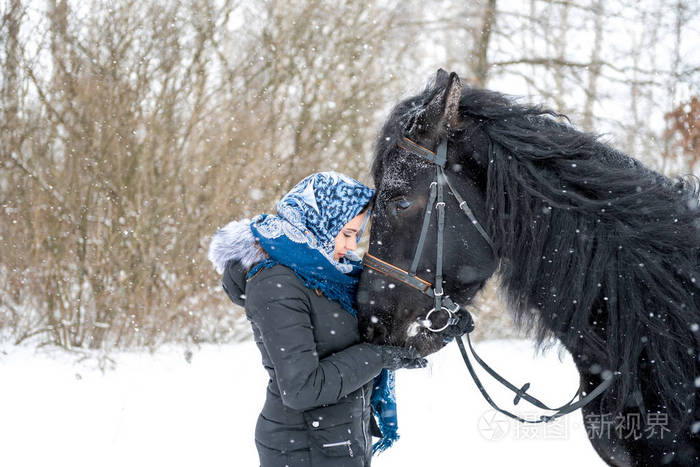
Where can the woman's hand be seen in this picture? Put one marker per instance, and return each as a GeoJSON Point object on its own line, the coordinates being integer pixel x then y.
{"type": "Point", "coordinates": [395, 357]}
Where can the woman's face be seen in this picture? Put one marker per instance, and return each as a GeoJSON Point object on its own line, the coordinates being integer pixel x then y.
{"type": "Point", "coordinates": [347, 238]}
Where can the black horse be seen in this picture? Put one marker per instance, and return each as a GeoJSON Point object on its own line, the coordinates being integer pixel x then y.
{"type": "Point", "coordinates": [593, 250]}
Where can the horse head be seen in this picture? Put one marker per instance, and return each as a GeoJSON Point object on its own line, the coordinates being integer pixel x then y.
{"type": "Point", "coordinates": [390, 311]}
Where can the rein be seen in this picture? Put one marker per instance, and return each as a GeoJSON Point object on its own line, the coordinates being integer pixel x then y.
{"type": "Point", "coordinates": [443, 303]}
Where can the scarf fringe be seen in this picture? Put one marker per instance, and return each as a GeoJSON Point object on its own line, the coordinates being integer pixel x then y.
{"type": "Point", "coordinates": [383, 402]}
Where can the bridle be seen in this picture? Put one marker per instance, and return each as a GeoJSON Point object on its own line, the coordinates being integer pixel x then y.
{"type": "Point", "coordinates": [437, 188]}
{"type": "Point", "coordinates": [444, 303]}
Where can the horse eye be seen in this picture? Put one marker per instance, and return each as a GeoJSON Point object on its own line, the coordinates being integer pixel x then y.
{"type": "Point", "coordinates": [402, 203]}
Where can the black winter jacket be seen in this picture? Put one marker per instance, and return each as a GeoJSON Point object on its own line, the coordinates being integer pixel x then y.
{"type": "Point", "coordinates": [317, 412]}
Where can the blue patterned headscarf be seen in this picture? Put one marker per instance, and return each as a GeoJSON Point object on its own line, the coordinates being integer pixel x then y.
{"type": "Point", "coordinates": [302, 237]}
{"type": "Point", "coordinates": [302, 234]}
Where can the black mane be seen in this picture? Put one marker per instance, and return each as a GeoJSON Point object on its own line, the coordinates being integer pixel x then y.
{"type": "Point", "coordinates": [596, 249]}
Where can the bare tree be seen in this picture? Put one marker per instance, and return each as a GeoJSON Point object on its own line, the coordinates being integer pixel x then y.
{"type": "Point", "coordinates": [132, 130]}
{"type": "Point", "coordinates": [481, 41]}
{"type": "Point", "coordinates": [594, 69]}
{"type": "Point", "coordinates": [153, 125]}
{"type": "Point", "coordinates": [683, 134]}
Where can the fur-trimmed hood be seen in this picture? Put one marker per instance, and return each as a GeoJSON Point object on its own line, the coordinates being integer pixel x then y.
{"type": "Point", "coordinates": [234, 241]}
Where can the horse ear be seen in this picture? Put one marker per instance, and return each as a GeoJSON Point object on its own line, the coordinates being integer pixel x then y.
{"type": "Point", "coordinates": [453, 94]}
{"type": "Point", "coordinates": [441, 79]}
{"type": "Point", "coordinates": [443, 109]}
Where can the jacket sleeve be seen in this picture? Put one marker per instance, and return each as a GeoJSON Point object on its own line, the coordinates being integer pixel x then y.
{"type": "Point", "coordinates": [233, 282]}
{"type": "Point", "coordinates": [280, 309]}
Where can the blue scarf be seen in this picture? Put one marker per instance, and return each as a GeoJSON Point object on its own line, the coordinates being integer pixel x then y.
{"type": "Point", "coordinates": [302, 237]}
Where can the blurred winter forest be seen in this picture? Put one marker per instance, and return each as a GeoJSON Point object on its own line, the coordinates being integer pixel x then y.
{"type": "Point", "coordinates": [132, 130]}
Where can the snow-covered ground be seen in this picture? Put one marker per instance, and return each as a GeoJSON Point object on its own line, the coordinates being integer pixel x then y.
{"type": "Point", "coordinates": [160, 410]}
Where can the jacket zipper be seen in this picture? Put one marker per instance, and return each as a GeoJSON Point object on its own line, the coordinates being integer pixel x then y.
{"type": "Point", "coordinates": [340, 443]}
{"type": "Point", "coordinates": [347, 442]}
{"type": "Point", "coordinates": [364, 434]}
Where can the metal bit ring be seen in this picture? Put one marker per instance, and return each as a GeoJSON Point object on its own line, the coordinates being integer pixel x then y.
{"type": "Point", "coordinates": [451, 319]}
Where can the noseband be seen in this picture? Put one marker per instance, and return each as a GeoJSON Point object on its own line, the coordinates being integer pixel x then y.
{"type": "Point", "coordinates": [443, 302]}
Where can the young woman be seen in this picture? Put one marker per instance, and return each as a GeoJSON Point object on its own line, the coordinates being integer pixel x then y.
{"type": "Point", "coordinates": [296, 275]}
